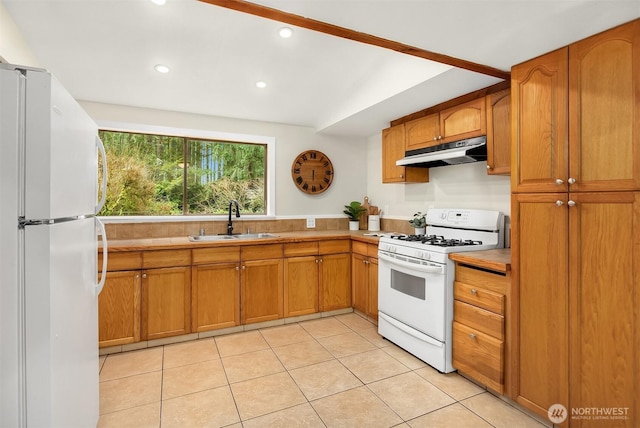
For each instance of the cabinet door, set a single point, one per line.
(423, 132)
(262, 290)
(360, 282)
(335, 281)
(499, 133)
(119, 309)
(540, 273)
(539, 103)
(393, 148)
(373, 289)
(215, 296)
(463, 121)
(300, 285)
(604, 303)
(166, 302)
(604, 114)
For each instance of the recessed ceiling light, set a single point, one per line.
(260, 84)
(161, 68)
(285, 32)
(159, 2)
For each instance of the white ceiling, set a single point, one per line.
(105, 50)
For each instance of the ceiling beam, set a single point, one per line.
(345, 33)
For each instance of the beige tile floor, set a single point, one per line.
(329, 372)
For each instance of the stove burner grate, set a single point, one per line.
(437, 240)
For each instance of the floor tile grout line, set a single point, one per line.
(161, 389)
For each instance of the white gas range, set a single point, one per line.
(415, 280)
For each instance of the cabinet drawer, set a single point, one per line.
(262, 252)
(335, 246)
(478, 355)
(479, 319)
(201, 256)
(300, 249)
(498, 282)
(166, 258)
(359, 247)
(481, 297)
(129, 260)
(372, 250)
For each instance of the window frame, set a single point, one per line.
(270, 172)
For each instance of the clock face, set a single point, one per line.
(312, 172)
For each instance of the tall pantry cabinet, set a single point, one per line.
(576, 230)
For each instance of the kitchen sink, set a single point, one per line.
(204, 238)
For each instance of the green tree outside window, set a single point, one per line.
(167, 175)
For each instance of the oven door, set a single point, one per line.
(413, 292)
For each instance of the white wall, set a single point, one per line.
(347, 154)
(13, 48)
(455, 186)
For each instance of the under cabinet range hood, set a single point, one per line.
(454, 153)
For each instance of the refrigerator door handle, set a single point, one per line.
(103, 155)
(105, 256)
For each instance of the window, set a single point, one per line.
(160, 175)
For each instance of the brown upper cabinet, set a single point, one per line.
(498, 107)
(393, 148)
(575, 110)
(455, 123)
(463, 121)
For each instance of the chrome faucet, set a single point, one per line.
(230, 224)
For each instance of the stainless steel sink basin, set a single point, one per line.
(211, 237)
(256, 236)
(202, 238)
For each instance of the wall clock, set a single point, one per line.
(312, 172)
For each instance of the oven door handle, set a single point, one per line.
(408, 265)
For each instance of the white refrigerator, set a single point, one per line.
(49, 285)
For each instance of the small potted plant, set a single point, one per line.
(419, 222)
(354, 210)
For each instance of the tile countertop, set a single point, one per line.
(181, 242)
(497, 260)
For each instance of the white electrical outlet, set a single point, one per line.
(311, 222)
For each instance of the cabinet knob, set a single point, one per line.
(244, 267)
(321, 260)
(474, 291)
(571, 180)
(571, 203)
(559, 181)
(435, 138)
(237, 268)
(489, 166)
(472, 336)
(559, 203)
(317, 261)
(137, 275)
(144, 275)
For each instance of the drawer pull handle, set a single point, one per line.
(472, 336)
(474, 291)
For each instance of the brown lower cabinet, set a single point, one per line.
(215, 288)
(119, 309)
(215, 296)
(480, 338)
(261, 283)
(166, 302)
(318, 278)
(365, 279)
